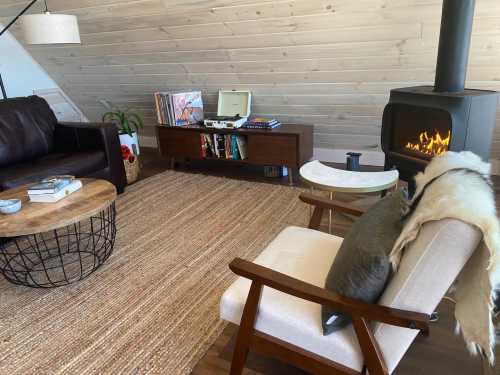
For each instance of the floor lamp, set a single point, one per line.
(45, 28)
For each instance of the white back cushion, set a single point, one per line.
(428, 268)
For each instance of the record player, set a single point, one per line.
(233, 110)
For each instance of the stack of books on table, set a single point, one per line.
(53, 189)
(262, 123)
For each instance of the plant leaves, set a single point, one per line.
(126, 120)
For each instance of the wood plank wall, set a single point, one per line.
(328, 63)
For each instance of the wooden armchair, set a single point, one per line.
(276, 300)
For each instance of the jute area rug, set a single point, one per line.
(153, 307)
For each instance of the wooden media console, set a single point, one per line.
(288, 145)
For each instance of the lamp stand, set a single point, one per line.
(3, 88)
(17, 17)
(4, 93)
(65, 30)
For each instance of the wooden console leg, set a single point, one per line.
(290, 176)
(246, 329)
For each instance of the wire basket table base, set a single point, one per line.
(62, 256)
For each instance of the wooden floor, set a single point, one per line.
(442, 353)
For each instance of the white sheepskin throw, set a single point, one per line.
(466, 196)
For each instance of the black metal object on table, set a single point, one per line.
(62, 256)
(353, 161)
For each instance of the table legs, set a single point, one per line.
(330, 215)
(61, 256)
(311, 209)
(330, 212)
(392, 188)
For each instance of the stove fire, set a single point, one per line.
(424, 121)
(431, 145)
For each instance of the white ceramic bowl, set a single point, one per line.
(10, 206)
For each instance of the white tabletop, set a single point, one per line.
(321, 176)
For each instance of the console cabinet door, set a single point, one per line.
(179, 143)
(273, 150)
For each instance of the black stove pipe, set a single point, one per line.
(454, 43)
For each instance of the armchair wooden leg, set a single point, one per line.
(374, 359)
(315, 222)
(239, 359)
(246, 329)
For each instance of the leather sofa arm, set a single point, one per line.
(86, 125)
(83, 136)
(71, 136)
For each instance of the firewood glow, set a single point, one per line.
(430, 145)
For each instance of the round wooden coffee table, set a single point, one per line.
(48, 245)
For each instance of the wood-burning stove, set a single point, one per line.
(424, 121)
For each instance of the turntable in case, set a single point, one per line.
(225, 122)
(231, 106)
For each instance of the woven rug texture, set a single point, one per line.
(153, 306)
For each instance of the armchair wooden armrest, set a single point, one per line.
(320, 204)
(361, 313)
(309, 292)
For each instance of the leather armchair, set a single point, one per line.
(34, 145)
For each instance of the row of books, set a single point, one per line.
(178, 109)
(53, 189)
(223, 146)
(262, 123)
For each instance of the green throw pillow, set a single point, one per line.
(361, 268)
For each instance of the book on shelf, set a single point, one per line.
(158, 109)
(220, 145)
(262, 123)
(223, 146)
(179, 109)
(242, 147)
(207, 146)
(69, 189)
(234, 146)
(229, 146)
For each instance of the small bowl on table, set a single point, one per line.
(10, 206)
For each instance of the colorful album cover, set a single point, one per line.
(188, 108)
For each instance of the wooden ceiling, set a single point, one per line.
(328, 63)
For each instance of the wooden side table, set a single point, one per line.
(48, 245)
(325, 178)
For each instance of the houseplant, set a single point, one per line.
(129, 123)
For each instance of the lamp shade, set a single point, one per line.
(50, 28)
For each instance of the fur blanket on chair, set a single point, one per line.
(462, 192)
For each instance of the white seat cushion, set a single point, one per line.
(306, 255)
